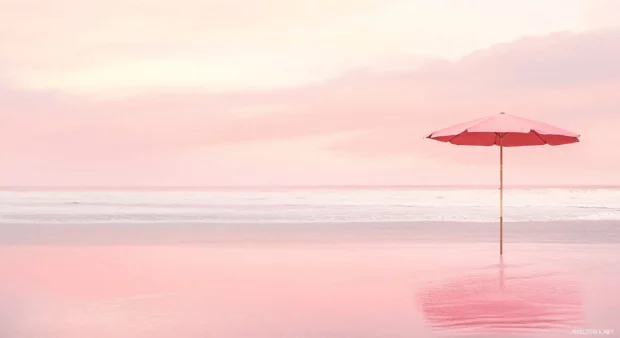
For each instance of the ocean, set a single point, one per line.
(158, 216)
(308, 205)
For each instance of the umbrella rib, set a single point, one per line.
(500, 135)
(455, 136)
(538, 135)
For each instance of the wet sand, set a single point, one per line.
(335, 288)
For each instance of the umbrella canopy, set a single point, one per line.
(504, 130)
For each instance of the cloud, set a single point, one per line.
(368, 116)
(53, 44)
(134, 45)
(570, 79)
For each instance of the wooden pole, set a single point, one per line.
(501, 196)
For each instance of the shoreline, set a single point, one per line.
(570, 232)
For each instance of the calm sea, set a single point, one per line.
(307, 205)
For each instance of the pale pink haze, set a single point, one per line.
(274, 92)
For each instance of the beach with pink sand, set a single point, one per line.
(364, 289)
(309, 263)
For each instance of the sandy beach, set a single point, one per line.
(99, 281)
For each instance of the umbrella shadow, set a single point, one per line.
(502, 300)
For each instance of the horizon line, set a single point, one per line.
(317, 186)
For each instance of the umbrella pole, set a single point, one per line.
(501, 196)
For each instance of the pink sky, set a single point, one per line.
(274, 92)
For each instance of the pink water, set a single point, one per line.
(349, 289)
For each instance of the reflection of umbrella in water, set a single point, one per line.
(487, 303)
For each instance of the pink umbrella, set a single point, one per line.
(504, 130)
